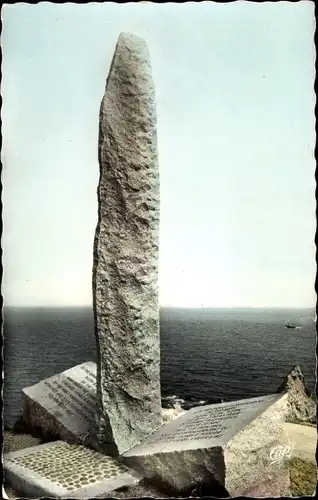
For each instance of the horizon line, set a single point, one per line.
(161, 306)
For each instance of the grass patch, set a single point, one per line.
(303, 476)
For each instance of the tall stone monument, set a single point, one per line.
(125, 273)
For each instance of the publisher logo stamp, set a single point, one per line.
(280, 453)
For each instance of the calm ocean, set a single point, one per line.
(206, 354)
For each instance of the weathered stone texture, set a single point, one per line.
(301, 407)
(240, 464)
(125, 275)
(248, 455)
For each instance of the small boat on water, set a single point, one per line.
(292, 326)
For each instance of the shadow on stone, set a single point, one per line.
(209, 487)
(21, 427)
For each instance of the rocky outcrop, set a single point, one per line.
(301, 407)
(125, 274)
(169, 414)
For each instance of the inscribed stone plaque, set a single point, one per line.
(64, 404)
(62, 470)
(230, 443)
(204, 426)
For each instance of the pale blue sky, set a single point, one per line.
(235, 100)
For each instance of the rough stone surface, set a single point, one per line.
(270, 486)
(125, 273)
(249, 456)
(301, 407)
(14, 442)
(238, 459)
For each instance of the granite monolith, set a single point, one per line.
(125, 272)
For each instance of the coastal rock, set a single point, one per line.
(301, 407)
(125, 273)
(228, 447)
(169, 414)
